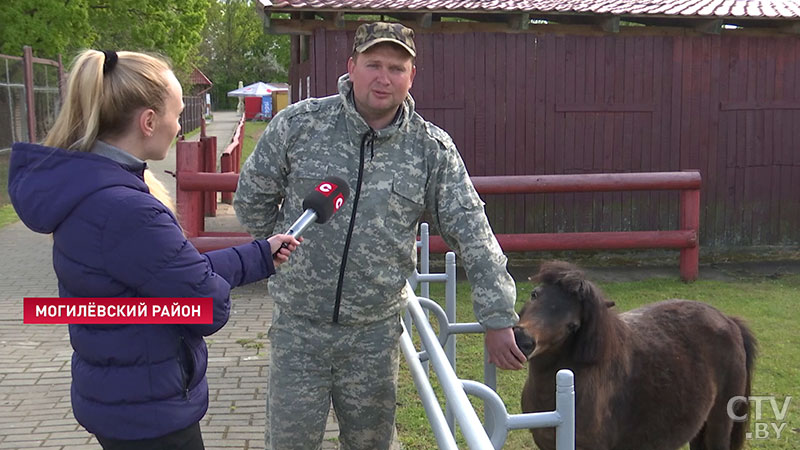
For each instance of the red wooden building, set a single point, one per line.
(539, 87)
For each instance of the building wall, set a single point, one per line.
(636, 101)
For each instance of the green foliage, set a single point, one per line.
(235, 48)
(50, 27)
(769, 306)
(224, 38)
(172, 28)
(169, 27)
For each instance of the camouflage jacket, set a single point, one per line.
(410, 167)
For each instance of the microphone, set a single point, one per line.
(320, 204)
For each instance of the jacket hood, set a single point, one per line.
(45, 183)
(356, 122)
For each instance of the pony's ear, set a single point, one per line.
(610, 304)
(590, 343)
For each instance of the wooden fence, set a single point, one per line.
(641, 100)
(193, 113)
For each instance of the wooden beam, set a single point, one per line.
(712, 26)
(520, 21)
(609, 24)
(266, 21)
(425, 20)
(337, 18)
(414, 19)
(791, 28)
(581, 25)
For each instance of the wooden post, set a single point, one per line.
(690, 220)
(203, 108)
(188, 159)
(209, 144)
(61, 80)
(226, 165)
(27, 66)
(237, 153)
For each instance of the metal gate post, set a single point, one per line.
(450, 311)
(565, 407)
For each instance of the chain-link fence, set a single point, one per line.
(13, 112)
(29, 102)
(47, 98)
(29, 99)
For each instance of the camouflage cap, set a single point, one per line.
(370, 34)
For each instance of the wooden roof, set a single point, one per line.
(199, 78)
(703, 15)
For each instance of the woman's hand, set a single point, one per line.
(281, 246)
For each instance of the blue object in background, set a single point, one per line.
(266, 107)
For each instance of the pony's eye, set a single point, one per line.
(533, 294)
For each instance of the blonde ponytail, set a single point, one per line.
(158, 190)
(100, 105)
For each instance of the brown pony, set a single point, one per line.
(653, 378)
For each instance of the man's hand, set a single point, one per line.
(503, 350)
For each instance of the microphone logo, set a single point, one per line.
(326, 188)
(338, 202)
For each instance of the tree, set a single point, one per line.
(50, 27)
(236, 48)
(173, 28)
(169, 27)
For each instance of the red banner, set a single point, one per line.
(118, 310)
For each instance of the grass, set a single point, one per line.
(252, 131)
(4, 158)
(190, 136)
(7, 213)
(769, 306)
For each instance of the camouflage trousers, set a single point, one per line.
(316, 364)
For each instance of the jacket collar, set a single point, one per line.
(118, 155)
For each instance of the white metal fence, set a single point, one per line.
(440, 351)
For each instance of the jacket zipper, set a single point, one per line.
(184, 376)
(369, 137)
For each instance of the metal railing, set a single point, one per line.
(440, 351)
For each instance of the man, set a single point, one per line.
(336, 324)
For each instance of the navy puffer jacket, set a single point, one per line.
(111, 238)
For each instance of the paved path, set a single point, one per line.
(35, 407)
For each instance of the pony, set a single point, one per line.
(653, 378)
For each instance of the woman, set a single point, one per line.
(133, 386)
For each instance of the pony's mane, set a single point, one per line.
(568, 277)
(600, 328)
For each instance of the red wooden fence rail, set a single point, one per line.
(686, 238)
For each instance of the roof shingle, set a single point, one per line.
(685, 8)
